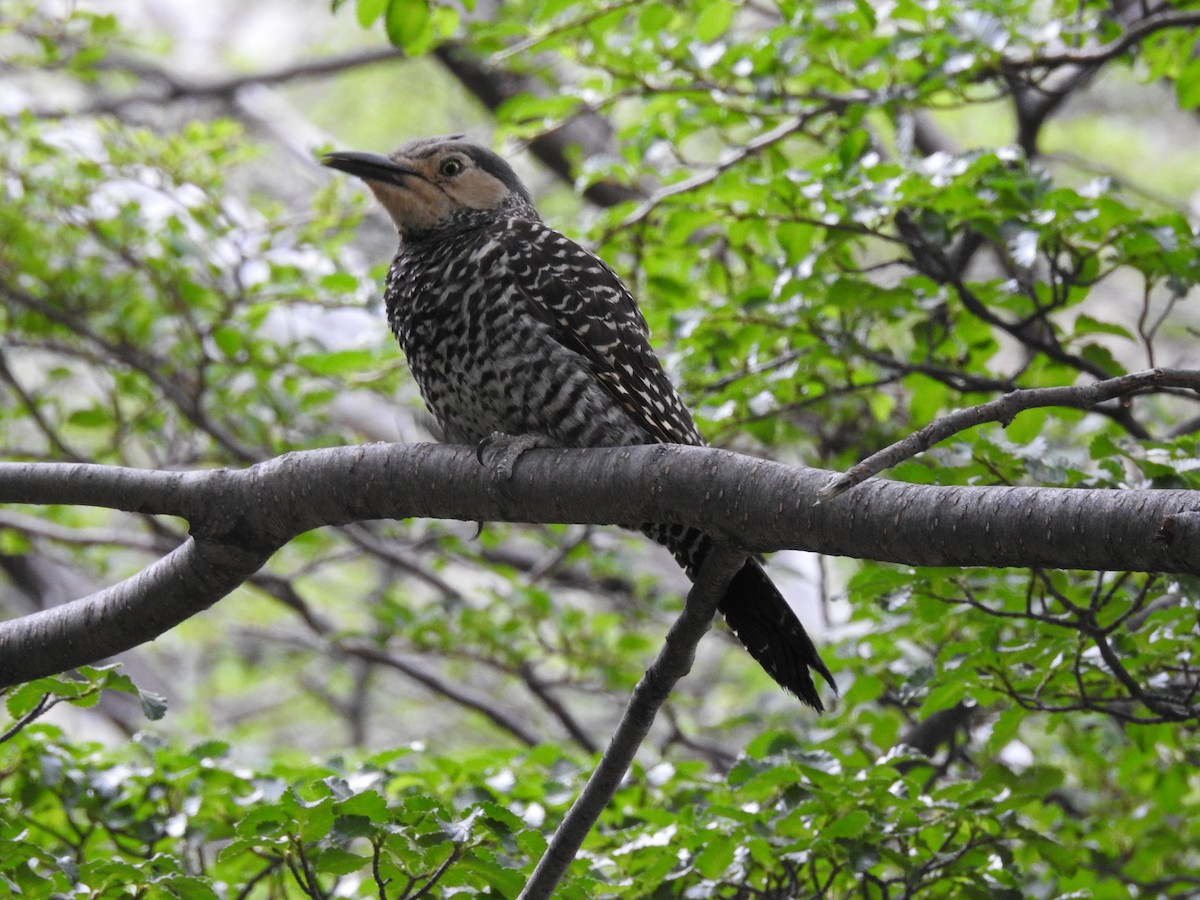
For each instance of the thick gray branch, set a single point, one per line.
(238, 518)
(186, 581)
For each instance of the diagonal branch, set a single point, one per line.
(672, 663)
(1004, 410)
(181, 584)
(752, 147)
(586, 134)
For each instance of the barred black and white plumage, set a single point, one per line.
(510, 327)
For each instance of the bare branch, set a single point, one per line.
(441, 687)
(1004, 410)
(672, 663)
(1133, 35)
(174, 88)
(556, 707)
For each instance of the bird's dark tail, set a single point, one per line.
(758, 615)
(766, 625)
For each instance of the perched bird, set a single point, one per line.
(517, 335)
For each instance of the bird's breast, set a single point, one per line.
(485, 360)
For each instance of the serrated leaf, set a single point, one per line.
(24, 698)
(851, 825)
(368, 804)
(154, 705)
(336, 861)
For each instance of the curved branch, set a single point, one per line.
(186, 581)
(1004, 410)
(1133, 35)
(240, 517)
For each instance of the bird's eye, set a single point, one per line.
(451, 167)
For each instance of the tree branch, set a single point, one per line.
(733, 158)
(672, 663)
(174, 88)
(1136, 32)
(239, 517)
(186, 581)
(1004, 410)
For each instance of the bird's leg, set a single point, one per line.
(511, 448)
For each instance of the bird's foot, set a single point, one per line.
(511, 448)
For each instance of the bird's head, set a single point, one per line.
(434, 185)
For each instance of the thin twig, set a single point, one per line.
(440, 687)
(753, 146)
(361, 534)
(542, 692)
(437, 875)
(40, 708)
(35, 413)
(139, 361)
(84, 537)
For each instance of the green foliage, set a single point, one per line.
(169, 287)
(852, 227)
(187, 822)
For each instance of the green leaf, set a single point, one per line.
(714, 20)
(1027, 425)
(94, 417)
(339, 283)
(407, 24)
(339, 362)
(336, 861)
(368, 804)
(1187, 85)
(850, 825)
(229, 340)
(154, 705)
(367, 11)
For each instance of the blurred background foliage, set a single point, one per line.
(842, 219)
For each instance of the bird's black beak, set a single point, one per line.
(369, 167)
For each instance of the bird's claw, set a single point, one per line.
(483, 445)
(511, 447)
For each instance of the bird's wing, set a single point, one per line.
(591, 312)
